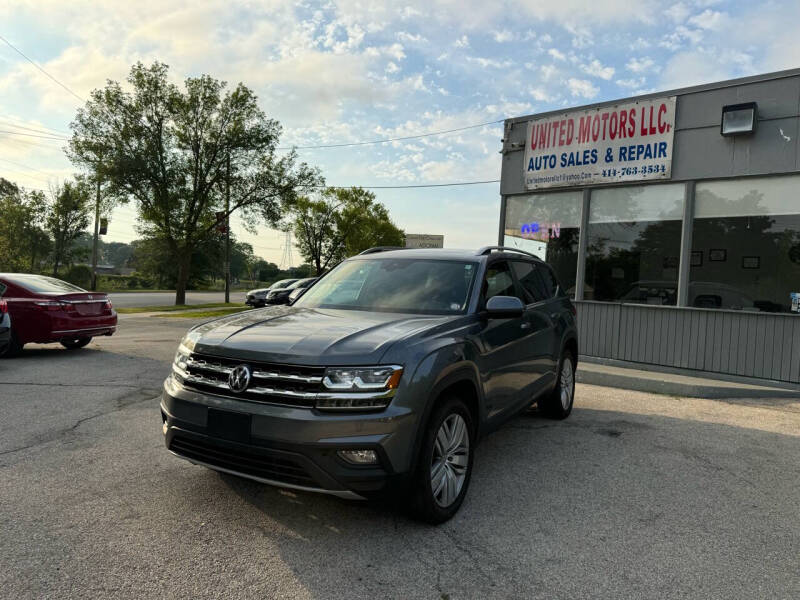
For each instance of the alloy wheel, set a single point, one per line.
(450, 460)
(567, 383)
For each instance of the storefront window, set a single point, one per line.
(746, 244)
(633, 244)
(547, 225)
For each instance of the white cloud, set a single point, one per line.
(678, 12)
(492, 63)
(640, 65)
(462, 42)
(539, 94)
(597, 69)
(708, 19)
(404, 36)
(556, 54)
(391, 68)
(582, 88)
(633, 83)
(503, 36)
(548, 72)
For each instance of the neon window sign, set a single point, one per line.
(543, 232)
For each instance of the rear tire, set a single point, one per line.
(558, 403)
(75, 343)
(444, 466)
(13, 348)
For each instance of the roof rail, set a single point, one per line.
(377, 249)
(488, 249)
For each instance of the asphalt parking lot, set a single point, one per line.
(132, 299)
(634, 496)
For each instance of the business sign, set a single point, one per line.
(626, 142)
(423, 240)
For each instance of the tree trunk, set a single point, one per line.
(184, 262)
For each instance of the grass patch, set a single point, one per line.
(204, 314)
(176, 308)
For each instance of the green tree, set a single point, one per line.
(67, 217)
(366, 223)
(173, 151)
(23, 241)
(341, 223)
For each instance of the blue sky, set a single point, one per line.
(353, 70)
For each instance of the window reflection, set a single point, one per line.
(633, 244)
(547, 225)
(746, 244)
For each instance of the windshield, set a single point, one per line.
(45, 285)
(395, 285)
(282, 284)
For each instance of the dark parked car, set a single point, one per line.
(258, 297)
(382, 377)
(45, 309)
(5, 328)
(300, 290)
(281, 295)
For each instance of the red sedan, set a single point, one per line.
(45, 309)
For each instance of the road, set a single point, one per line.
(133, 299)
(634, 496)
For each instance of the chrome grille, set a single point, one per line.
(278, 384)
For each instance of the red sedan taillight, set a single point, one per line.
(3, 307)
(108, 305)
(54, 305)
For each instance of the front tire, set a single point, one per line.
(75, 343)
(444, 466)
(558, 403)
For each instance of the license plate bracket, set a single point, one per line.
(228, 425)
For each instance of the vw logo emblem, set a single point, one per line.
(239, 378)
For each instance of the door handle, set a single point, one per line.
(525, 326)
(554, 315)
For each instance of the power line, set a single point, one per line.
(396, 139)
(22, 54)
(404, 187)
(53, 132)
(343, 145)
(27, 167)
(46, 137)
(24, 174)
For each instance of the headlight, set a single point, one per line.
(363, 378)
(189, 340)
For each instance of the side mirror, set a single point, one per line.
(504, 307)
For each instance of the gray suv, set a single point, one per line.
(383, 376)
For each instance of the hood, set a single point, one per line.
(311, 336)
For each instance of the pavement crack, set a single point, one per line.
(139, 395)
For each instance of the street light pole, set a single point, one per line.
(228, 232)
(96, 233)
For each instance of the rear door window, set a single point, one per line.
(533, 283)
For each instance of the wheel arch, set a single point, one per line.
(462, 379)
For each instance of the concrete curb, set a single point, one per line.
(675, 385)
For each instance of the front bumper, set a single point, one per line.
(287, 446)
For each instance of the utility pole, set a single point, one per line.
(96, 232)
(228, 232)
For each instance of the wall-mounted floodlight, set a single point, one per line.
(738, 119)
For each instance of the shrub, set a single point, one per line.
(79, 275)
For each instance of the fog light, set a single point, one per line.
(164, 428)
(359, 457)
